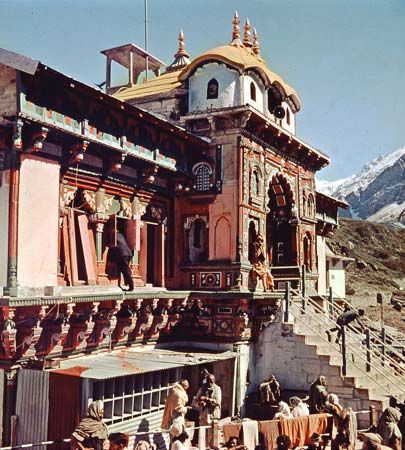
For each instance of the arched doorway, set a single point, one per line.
(198, 241)
(280, 231)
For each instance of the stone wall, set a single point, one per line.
(8, 91)
(163, 106)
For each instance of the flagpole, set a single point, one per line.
(146, 39)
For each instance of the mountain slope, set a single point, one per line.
(378, 192)
(378, 267)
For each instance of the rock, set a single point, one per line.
(374, 267)
(361, 264)
(351, 245)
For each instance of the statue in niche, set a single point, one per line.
(260, 269)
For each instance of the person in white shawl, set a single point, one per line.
(283, 411)
(299, 408)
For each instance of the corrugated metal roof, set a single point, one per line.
(130, 362)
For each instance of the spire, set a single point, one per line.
(181, 57)
(236, 31)
(256, 45)
(246, 35)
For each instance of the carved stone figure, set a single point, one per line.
(260, 269)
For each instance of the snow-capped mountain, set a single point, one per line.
(377, 193)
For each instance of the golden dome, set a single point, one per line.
(243, 59)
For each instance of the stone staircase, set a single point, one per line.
(298, 351)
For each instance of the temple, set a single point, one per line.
(200, 169)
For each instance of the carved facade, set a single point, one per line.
(79, 167)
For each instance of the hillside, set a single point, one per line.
(379, 266)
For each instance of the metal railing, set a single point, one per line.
(351, 344)
(374, 342)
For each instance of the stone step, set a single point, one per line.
(358, 388)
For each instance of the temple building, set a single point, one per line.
(200, 169)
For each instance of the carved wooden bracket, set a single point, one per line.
(172, 321)
(17, 136)
(28, 336)
(124, 329)
(27, 340)
(143, 324)
(9, 343)
(36, 140)
(81, 333)
(77, 152)
(57, 338)
(159, 323)
(104, 330)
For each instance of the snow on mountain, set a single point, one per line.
(329, 187)
(389, 213)
(378, 192)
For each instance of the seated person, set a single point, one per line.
(299, 408)
(283, 411)
(270, 391)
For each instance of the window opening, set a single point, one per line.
(252, 91)
(212, 89)
(202, 173)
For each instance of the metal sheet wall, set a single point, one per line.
(32, 406)
(147, 423)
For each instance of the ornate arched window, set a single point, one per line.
(254, 183)
(252, 91)
(212, 88)
(310, 206)
(202, 172)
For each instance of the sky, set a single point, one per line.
(346, 58)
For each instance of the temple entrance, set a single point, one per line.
(280, 232)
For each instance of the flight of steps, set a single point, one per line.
(298, 351)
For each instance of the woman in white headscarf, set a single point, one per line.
(283, 411)
(91, 432)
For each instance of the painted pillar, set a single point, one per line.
(160, 250)
(143, 259)
(14, 164)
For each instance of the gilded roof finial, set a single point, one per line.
(236, 31)
(246, 35)
(181, 57)
(256, 45)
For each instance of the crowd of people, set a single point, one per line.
(92, 433)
